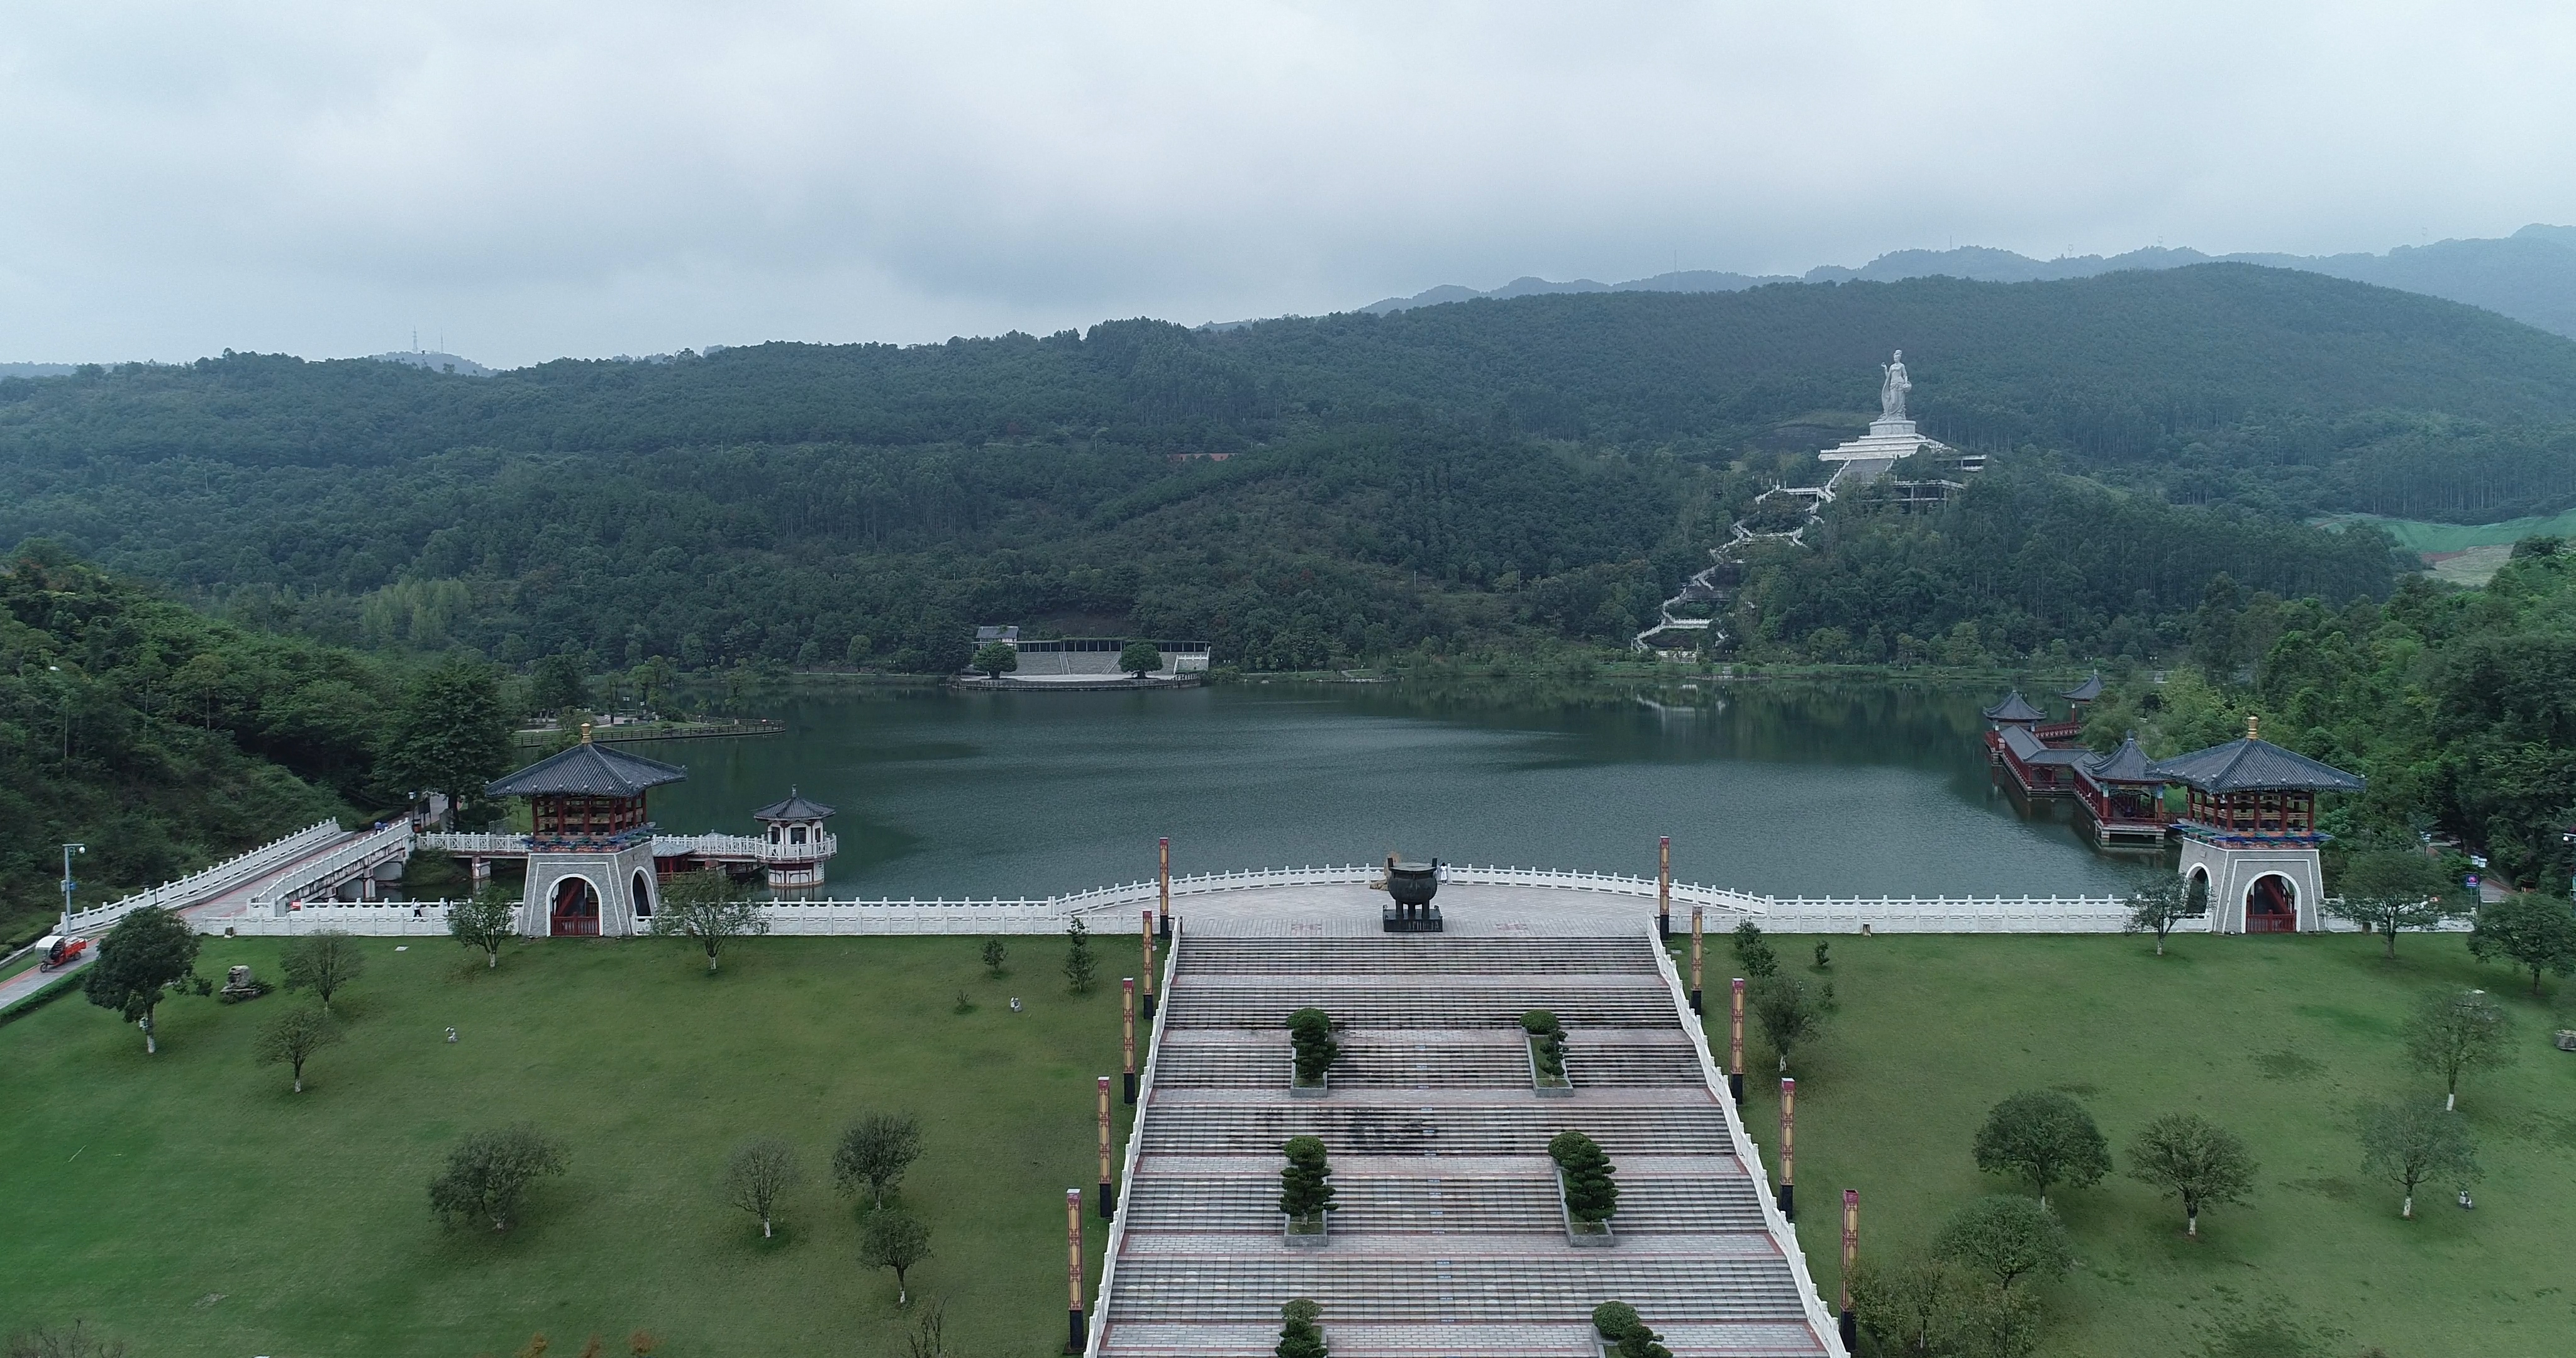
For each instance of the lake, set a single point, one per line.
(1778, 788)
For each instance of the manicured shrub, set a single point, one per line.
(1299, 1336)
(1305, 1187)
(1614, 1318)
(1547, 1042)
(1590, 1193)
(1310, 1032)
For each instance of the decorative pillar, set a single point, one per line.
(1696, 913)
(1664, 889)
(1163, 876)
(1735, 1044)
(1149, 966)
(482, 870)
(1788, 1148)
(1127, 1029)
(1851, 1256)
(1074, 1330)
(1108, 1174)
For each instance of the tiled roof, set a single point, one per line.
(587, 769)
(2250, 764)
(2014, 708)
(2030, 749)
(796, 807)
(2087, 691)
(2127, 764)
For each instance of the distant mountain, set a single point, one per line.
(449, 363)
(2529, 276)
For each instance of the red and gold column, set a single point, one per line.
(1108, 1171)
(1127, 1029)
(1149, 966)
(1074, 1335)
(1735, 1043)
(1697, 912)
(1664, 888)
(1788, 1148)
(1851, 1257)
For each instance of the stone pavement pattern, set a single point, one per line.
(1449, 1237)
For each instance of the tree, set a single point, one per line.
(293, 1037)
(489, 1172)
(1787, 1011)
(2385, 890)
(2409, 1142)
(2452, 1034)
(2006, 1238)
(1299, 1335)
(2046, 1137)
(709, 907)
(896, 1239)
(322, 962)
(76, 1342)
(2529, 930)
(149, 952)
(1305, 1186)
(874, 1152)
(763, 1170)
(995, 954)
(2160, 905)
(1753, 952)
(1140, 659)
(2192, 1158)
(559, 682)
(1079, 964)
(1925, 1306)
(995, 659)
(1310, 1035)
(1591, 1193)
(451, 734)
(487, 920)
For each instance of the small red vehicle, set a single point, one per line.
(60, 950)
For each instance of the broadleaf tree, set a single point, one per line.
(2390, 890)
(2193, 1159)
(874, 1152)
(710, 909)
(2530, 931)
(451, 733)
(489, 1172)
(2452, 1033)
(149, 953)
(2410, 1142)
(486, 920)
(896, 1239)
(323, 963)
(2044, 1136)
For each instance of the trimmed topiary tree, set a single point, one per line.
(1547, 1041)
(1305, 1186)
(1299, 1335)
(1310, 1034)
(1591, 1196)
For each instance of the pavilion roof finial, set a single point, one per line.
(2253, 727)
(585, 733)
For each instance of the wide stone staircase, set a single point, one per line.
(1448, 1236)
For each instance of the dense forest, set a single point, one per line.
(1301, 492)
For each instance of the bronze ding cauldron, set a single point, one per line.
(1411, 886)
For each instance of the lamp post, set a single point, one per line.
(1696, 913)
(68, 883)
(1149, 966)
(1108, 1181)
(1735, 1043)
(1073, 1332)
(1664, 889)
(1851, 1256)
(1127, 1029)
(1788, 1148)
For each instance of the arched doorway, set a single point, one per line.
(575, 910)
(643, 896)
(2271, 906)
(2196, 893)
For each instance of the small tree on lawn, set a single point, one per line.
(489, 1172)
(148, 953)
(1925, 1306)
(1299, 1335)
(2409, 1142)
(2158, 906)
(2456, 1032)
(291, 1039)
(1140, 659)
(2530, 931)
(995, 954)
(896, 1239)
(1591, 1194)
(2192, 1158)
(708, 907)
(763, 1170)
(874, 1153)
(1310, 1035)
(486, 921)
(995, 659)
(1753, 952)
(2386, 890)
(1305, 1186)
(1788, 1012)
(2005, 1239)
(1079, 963)
(2045, 1137)
(322, 963)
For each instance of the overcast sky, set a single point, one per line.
(533, 180)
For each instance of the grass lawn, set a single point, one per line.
(188, 1204)
(2279, 1039)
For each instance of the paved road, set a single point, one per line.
(216, 906)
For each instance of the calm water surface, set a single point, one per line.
(1840, 790)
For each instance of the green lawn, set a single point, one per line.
(2276, 1038)
(189, 1204)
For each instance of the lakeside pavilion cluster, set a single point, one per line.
(595, 862)
(2248, 827)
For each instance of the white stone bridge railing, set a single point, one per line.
(390, 844)
(747, 848)
(198, 886)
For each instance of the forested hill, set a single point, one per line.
(1544, 467)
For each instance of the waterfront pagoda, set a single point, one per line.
(2249, 831)
(590, 841)
(796, 840)
(2123, 796)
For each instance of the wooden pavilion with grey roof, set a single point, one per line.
(590, 840)
(2249, 831)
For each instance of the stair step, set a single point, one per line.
(1558, 1287)
(1220, 1129)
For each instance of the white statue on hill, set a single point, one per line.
(1891, 393)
